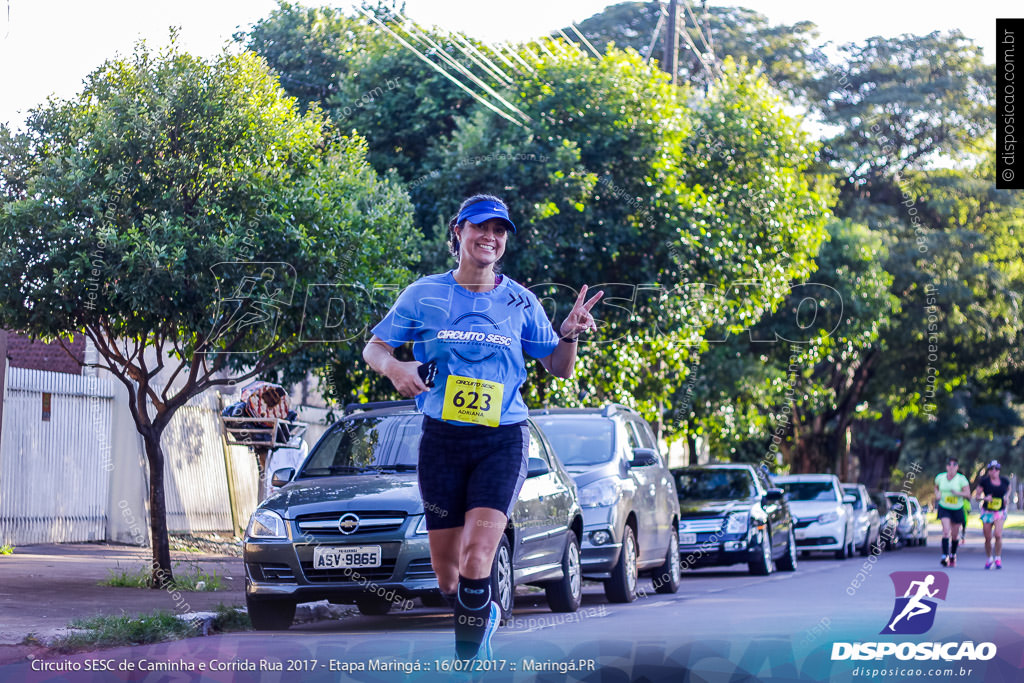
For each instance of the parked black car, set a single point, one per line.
(731, 513)
(348, 527)
(630, 510)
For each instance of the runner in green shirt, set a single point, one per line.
(951, 489)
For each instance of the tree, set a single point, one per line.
(792, 385)
(177, 212)
(900, 104)
(664, 204)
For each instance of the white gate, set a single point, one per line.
(54, 457)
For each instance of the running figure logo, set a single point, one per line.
(914, 612)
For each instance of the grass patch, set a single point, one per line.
(196, 579)
(110, 631)
(6, 549)
(230, 619)
(157, 627)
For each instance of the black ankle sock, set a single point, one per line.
(945, 546)
(956, 542)
(472, 611)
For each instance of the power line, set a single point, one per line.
(437, 68)
(700, 30)
(657, 30)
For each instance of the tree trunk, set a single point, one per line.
(161, 575)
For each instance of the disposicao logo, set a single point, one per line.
(914, 612)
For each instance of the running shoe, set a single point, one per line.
(999, 564)
(485, 651)
(944, 561)
(988, 565)
(952, 560)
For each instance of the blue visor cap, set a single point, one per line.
(482, 211)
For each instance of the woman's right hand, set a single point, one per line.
(406, 377)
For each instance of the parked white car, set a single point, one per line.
(867, 524)
(822, 514)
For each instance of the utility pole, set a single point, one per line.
(671, 61)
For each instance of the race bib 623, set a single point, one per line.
(472, 400)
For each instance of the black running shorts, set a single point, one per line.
(467, 466)
(955, 516)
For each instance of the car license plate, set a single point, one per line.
(346, 557)
(687, 539)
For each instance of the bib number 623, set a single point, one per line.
(468, 399)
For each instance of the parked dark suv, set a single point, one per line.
(730, 514)
(626, 492)
(348, 526)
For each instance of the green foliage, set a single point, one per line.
(903, 102)
(6, 549)
(162, 171)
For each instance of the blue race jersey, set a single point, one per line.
(480, 335)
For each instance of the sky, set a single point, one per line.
(48, 46)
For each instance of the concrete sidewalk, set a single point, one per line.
(43, 587)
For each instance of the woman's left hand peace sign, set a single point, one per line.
(579, 319)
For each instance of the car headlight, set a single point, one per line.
(737, 523)
(599, 493)
(421, 526)
(266, 524)
(828, 517)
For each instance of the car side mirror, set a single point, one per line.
(537, 467)
(282, 476)
(849, 499)
(872, 507)
(773, 495)
(643, 457)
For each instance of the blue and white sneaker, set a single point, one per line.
(485, 651)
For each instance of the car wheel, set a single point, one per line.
(787, 562)
(865, 549)
(668, 576)
(844, 551)
(621, 587)
(565, 594)
(372, 605)
(270, 614)
(924, 539)
(503, 588)
(763, 565)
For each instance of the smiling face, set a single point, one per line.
(484, 243)
(951, 468)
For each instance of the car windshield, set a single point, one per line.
(385, 443)
(714, 484)
(897, 505)
(808, 490)
(579, 441)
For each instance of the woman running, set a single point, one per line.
(951, 489)
(992, 489)
(472, 327)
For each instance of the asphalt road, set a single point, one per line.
(722, 625)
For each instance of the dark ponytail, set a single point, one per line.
(453, 240)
